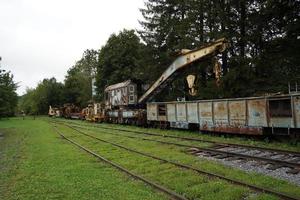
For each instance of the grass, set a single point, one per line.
(37, 164)
(291, 145)
(189, 183)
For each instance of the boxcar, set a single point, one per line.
(278, 114)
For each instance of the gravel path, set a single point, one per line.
(258, 167)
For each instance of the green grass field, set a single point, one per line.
(36, 163)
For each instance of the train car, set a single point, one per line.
(121, 104)
(277, 114)
(121, 95)
(70, 111)
(95, 112)
(54, 112)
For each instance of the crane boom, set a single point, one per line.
(181, 62)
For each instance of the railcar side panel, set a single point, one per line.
(237, 113)
(152, 110)
(206, 116)
(280, 112)
(181, 112)
(192, 110)
(220, 111)
(162, 112)
(257, 116)
(171, 112)
(296, 101)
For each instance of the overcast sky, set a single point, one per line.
(43, 38)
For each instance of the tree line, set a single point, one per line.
(8, 95)
(263, 56)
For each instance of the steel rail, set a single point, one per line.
(211, 150)
(183, 166)
(201, 140)
(171, 193)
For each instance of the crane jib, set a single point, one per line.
(183, 61)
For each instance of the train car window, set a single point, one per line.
(280, 108)
(131, 98)
(131, 88)
(162, 110)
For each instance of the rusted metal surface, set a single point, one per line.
(117, 86)
(252, 115)
(152, 112)
(296, 106)
(192, 113)
(220, 114)
(280, 113)
(181, 62)
(171, 112)
(206, 115)
(257, 116)
(237, 113)
(121, 94)
(181, 112)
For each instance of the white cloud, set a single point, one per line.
(43, 38)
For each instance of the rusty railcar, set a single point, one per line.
(278, 114)
(121, 104)
(121, 95)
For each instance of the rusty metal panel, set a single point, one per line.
(220, 113)
(162, 118)
(206, 115)
(296, 101)
(257, 112)
(171, 112)
(192, 109)
(181, 112)
(237, 113)
(286, 122)
(114, 114)
(152, 112)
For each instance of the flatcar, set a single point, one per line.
(276, 114)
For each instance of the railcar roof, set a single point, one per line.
(272, 97)
(118, 85)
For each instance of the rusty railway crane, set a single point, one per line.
(121, 100)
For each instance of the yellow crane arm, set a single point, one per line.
(184, 60)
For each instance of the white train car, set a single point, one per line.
(278, 114)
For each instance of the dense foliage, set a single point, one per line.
(120, 59)
(78, 82)
(8, 96)
(37, 101)
(263, 56)
(264, 38)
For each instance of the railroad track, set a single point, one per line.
(218, 144)
(172, 194)
(188, 167)
(228, 153)
(276, 159)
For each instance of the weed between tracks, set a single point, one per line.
(186, 182)
(292, 145)
(37, 164)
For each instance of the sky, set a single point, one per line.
(44, 38)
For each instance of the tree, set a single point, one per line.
(8, 95)
(49, 92)
(123, 57)
(78, 82)
(263, 36)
